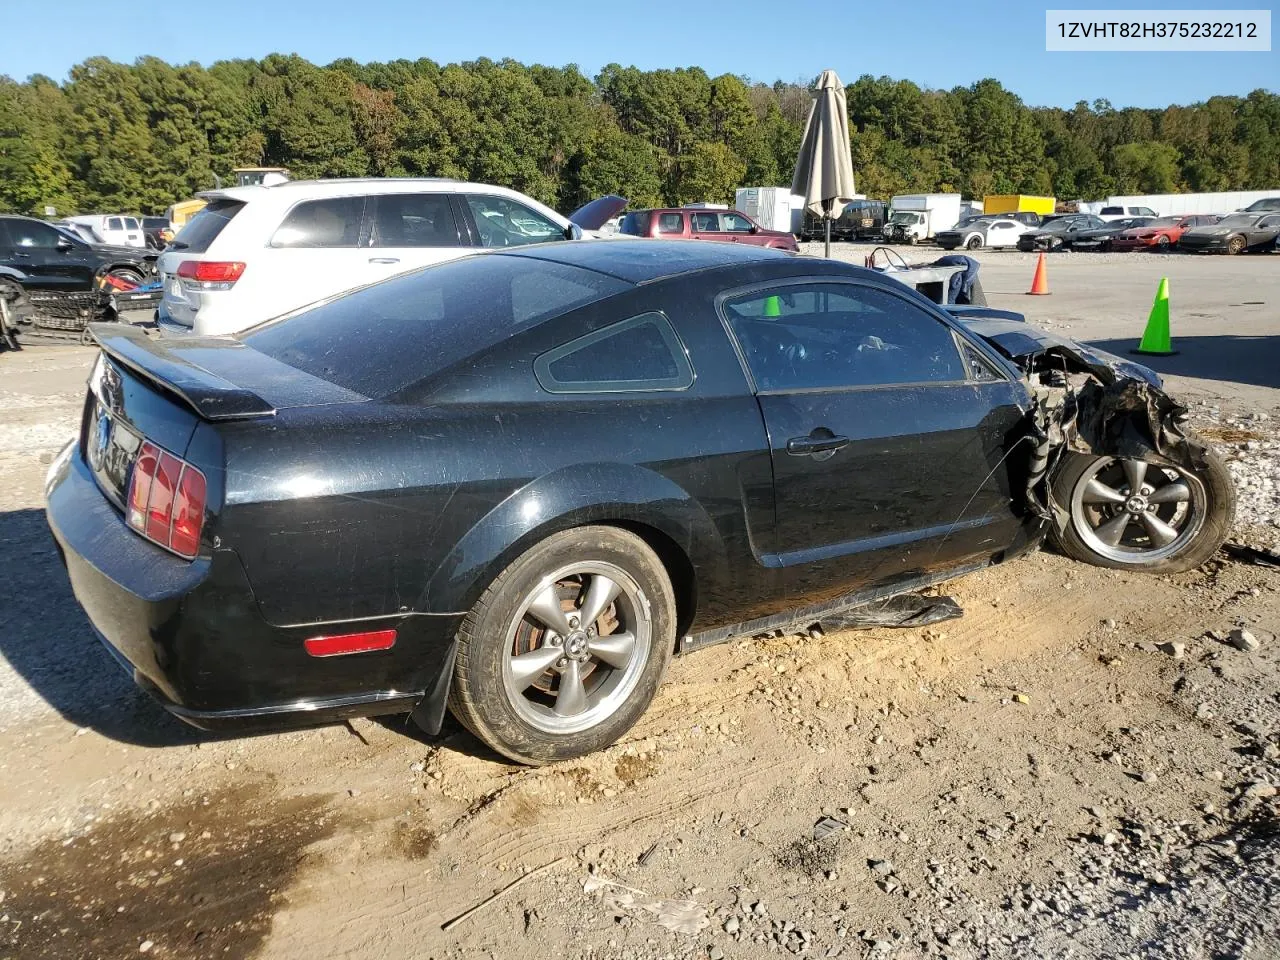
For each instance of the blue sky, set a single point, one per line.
(935, 44)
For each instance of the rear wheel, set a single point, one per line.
(564, 651)
(1235, 245)
(1132, 515)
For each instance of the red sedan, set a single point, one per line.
(1159, 234)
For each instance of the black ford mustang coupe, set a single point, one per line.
(516, 484)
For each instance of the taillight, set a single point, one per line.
(213, 274)
(166, 500)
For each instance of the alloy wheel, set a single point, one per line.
(577, 647)
(1135, 512)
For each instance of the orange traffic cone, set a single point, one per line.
(1040, 282)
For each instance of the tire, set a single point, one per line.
(1162, 243)
(977, 296)
(528, 723)
(1195, 513)
(1235, 245)
(974, 243)
(12, 292)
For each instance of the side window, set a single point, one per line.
(706, 222)
(639, 354)
(1269, 222)
(635, 224)
(113, 223)
(32, 235)
(832, 336)
(334, 222)
(505, 223)
(413, 220)
(735, 223)
(131, 223)
(671, 223)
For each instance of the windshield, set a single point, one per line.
(1237, 220)
(1164, 222)
(905, 218)
(1060, 226)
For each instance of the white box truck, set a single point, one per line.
(916, 217)
(768, 206)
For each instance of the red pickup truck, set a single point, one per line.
(726, 226)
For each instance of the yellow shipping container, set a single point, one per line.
(1017, 203)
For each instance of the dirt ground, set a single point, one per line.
(1038, 778)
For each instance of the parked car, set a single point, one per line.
(1265, 205)
(1120, 213)
(1059, 232)
(41, 258)
(517, 483)
(1100, 238)
(726, 226)
(1163, 233)
(119, 230)
(157, 232)
(1233, 234)
(257, 252)
(993, 231)
(860, 220)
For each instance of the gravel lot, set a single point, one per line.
(1084, 765)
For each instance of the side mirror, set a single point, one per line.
(755, 228)
(573, 232)
(64, 244)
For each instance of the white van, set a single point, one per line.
(116, 229)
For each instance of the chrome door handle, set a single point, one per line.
(384, 259)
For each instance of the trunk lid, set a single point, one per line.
(147, 389)
(217, 377)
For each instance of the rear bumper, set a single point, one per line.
(191, 633)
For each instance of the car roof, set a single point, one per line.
(292, 190)
(642, 261)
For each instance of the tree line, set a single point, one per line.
(119, 137)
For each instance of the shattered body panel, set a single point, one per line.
(1091, 402)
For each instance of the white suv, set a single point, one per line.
(257, 252)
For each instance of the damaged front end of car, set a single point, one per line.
(1086, 401)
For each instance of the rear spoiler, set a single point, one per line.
(167, 367)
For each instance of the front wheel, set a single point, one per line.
(1132, 515)
(564, 651)
(1235, 245)
(974, 243)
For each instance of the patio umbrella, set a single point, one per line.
(824, 169)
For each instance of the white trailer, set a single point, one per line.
(768, 206)
(1174, 204)
(916, 217)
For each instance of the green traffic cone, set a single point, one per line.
(1156, 341)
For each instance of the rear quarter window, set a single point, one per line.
(383, 338)
(202, 229)
(643, 353)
